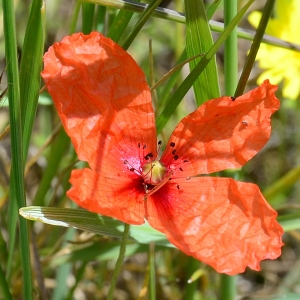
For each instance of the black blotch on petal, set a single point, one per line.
(176, 157)
(172, 144)
(232, 98)
(180, 169)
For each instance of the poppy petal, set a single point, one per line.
(102, 98)
(225, 223)
(117, 197)
(222, 133)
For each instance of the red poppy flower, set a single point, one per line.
(104, 102)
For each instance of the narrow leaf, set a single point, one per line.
(199, 40)
(87, 221)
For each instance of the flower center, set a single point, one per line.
(153, 172)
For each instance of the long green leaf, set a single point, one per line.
(31, 63)
(119, 25)
(17, 187)
(85, 220)
(88, 12)
(139, 25)
(254, 47)
(168, 14)
(199, 40)
(175, 99)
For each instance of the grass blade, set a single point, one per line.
(17, 187)
(31, 63)
(88, 12)
(175, 99)
(254, 47)
(199, 40)
(139, 25)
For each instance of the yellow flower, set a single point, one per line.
(281, 64)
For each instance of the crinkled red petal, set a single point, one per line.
(223, 133)
(115, 196)
(102, 98)
(222, 222)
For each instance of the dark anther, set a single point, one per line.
(176, 157)
(178, 187)
(125, 162)
(131, 169)
(173, 152)
(188, 178)
(185, 160)
(181, 169)
(159, 143)
(149, 154)
(172, 144)
(144, 147)
(146, 157)
(232, 98)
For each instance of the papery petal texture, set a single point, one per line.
(102, 98)
(104, 102)
(222, 133)
(112, 196)
(224, 223)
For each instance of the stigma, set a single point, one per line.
(154, 172)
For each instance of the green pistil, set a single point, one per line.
(154, 172)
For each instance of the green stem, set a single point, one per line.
(152, 281)
(17, 185)
(119, 262)
(228, 283)
(230, 49)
